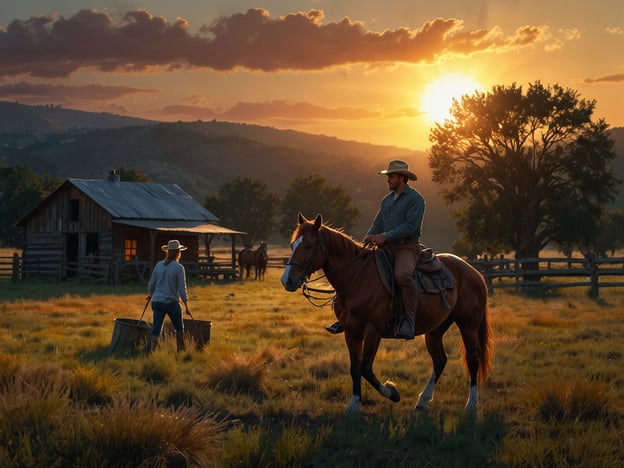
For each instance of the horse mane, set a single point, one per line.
(336, 238)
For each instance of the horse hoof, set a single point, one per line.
(394, 395)
(354, 406)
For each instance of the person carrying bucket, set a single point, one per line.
(166, 287)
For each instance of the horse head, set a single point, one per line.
(263, 249)
(306, 253)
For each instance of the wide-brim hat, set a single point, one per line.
(396, 166)
(173, 245)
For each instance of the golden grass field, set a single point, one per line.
(273, 384)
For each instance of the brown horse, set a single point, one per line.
(257, 259)
(362, 305)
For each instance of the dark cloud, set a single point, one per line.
(92, 92)
(50, 46)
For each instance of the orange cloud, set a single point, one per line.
(615, 78)
(50, 46)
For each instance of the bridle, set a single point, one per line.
(307, 272)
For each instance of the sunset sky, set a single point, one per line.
(366, 70)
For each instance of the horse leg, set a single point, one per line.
(435, 346)
(471, 358)
(371, 346)
(354, 345)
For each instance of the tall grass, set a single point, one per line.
(271, 387)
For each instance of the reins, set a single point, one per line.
(326, 301)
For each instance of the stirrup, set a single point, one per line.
(405, 336)
(334, 328)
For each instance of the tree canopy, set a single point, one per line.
(312, 195)
(21, 189)
(245, 204)
(132, 174)
(524, 169)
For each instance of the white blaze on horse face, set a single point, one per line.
(286, 274)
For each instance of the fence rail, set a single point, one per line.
(524, 273)
(556, 272)
(105, 269)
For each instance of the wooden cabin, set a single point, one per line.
(112, 230)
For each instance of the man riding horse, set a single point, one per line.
(397, 226)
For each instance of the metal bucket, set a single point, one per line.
(128, 333)
(196, 330)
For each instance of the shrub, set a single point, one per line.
(239, 375)
(93, 386)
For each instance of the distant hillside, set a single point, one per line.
(201, 156)
(15, 117)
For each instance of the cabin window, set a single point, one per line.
(74, 210)
(130, 250)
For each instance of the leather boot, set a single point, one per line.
(151, 344)
(180, 341)
(406, 329)
(334, 328)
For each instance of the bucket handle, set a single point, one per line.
(145, 308)
(192, 319)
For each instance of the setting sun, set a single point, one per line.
(439, 94)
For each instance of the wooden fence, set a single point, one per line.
(521, 274)
(552, 273)
(545, 273)
(105, 270)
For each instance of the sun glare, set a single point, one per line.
(438, 95)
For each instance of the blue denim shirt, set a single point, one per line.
(401, 218)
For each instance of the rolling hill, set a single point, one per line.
(201, 156)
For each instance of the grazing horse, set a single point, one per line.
(257, 258)
(363, 307)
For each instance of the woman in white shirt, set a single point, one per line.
(166, 287)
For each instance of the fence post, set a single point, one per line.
(487, 268)
(15, 275)
(593, 274)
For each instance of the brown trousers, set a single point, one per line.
(406, 256)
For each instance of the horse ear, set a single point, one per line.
(318, 221)
(301, 218)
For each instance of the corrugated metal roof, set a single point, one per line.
(141, 200)
(179, 226)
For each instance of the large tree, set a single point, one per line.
(524, 169)
(312, 195)
(248, 205)
(21, 189)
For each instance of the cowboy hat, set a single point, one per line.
(173, 245)
(396, 166)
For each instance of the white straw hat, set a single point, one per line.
(173, 245)
(396, 166)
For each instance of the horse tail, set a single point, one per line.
(486, 346)
(483, 331)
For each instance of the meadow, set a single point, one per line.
(272, 386)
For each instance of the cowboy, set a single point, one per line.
(397, 226)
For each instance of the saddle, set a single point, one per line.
(431, 275)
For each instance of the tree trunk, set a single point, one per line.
(530, 252)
